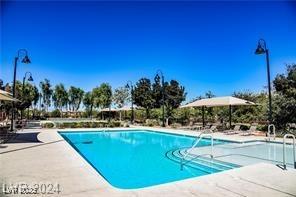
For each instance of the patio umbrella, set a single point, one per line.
(6, 96)
(218, 101)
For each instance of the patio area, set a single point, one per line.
(42, 156)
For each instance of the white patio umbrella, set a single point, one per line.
(6, 96)
(219, 101)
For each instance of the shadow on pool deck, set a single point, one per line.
(25, 138)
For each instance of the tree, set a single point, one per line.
(35, 99)
(96, 94)
(36, 96)
(121, 96)
(174, 96)
(1, 85)
(46, 92)
(60, 97)
(88, 102)
(102, 96)
(105, 95)
(209, 94)
(75, 98)
(285, 97)
(143, 95)
(30, 96)
(249, 113)
(26, 94)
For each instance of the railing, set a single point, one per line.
(284, 150)
(195, 144)
(269, 131)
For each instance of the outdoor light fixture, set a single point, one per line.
(262, 49)
(26, 60)
(20, 53)
(163, 95)
(30, 78)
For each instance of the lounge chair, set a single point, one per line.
(235, 130)
(212, 128)
(251, 130)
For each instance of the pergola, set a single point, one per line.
(216, 102)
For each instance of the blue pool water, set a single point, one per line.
(135, 159)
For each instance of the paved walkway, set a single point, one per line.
(42, 156)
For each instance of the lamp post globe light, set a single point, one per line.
(30, 78)
(23, 55)
(130, 85)
(262, 49)
(159, 72)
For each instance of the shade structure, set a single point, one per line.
(6, 96)
(127, 108)
(124, 108)
(108, 109)
(219, 101)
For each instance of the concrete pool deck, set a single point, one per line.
(43, 156)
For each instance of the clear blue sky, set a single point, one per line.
(205, 46)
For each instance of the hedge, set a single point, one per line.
(63, 125)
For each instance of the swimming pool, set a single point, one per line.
(139, 158)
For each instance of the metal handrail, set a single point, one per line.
(201, 133)
(195, 144)
(269, 131)
(284, 150)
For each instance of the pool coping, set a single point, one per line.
(167, 131)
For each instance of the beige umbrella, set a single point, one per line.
(6, 96)
(108, 109)
(219, 101)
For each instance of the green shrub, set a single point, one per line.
(55, 113)
(175, 125)
(47, 125)
(262, 128)
(151, 123)
(63, 125)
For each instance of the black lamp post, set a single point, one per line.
(262, 49)
(163, 95)
(21, 53)
(24, 79)
(130, 85)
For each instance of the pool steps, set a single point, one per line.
(200, 162)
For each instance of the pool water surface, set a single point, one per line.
(137, 159)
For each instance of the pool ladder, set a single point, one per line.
(271, 130)
(199, 138)
(284, 150)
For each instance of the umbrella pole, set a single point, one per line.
(230, 111)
